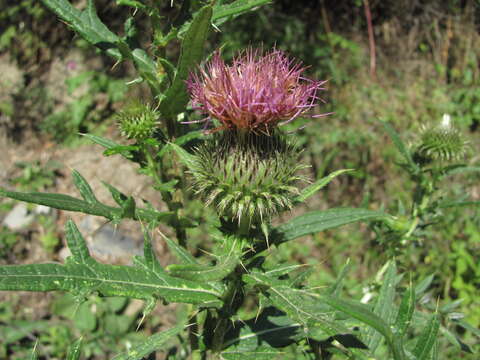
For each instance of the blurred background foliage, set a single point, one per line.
(427, 63)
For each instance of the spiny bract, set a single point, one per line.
(441, 142)
(137, 121)
(246, 175)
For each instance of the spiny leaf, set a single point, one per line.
(87, 24)
(83, 275)
(182, 255)
(427, 338)
(77, 244)
(84, 188)
(117, 196)
(317, 185)
(405, 312)
(150, 258)
(366, 316)
(176, 96)
(383, 306)
(299, 305)
(69, 203)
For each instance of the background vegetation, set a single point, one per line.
(426, 63)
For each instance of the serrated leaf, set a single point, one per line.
(317, 185)
(227, 258)
(401, 146)
(204, 272)
(405, 312)
(151, 344)
(299, 305)
(83, 188)
(383, 306)
(150, 258)
(427, 339)
(176, 97)
(117, 195)
(69, 203)
(84, 276)
(181, 254)
(77, 245)
(317, 221)
(87, 24)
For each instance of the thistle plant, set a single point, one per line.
(238, 302)
(436, 154)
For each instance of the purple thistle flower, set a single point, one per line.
(255, 93)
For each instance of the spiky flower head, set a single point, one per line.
(256, 92)
(137, 121)
(442, 142)
(247, 176)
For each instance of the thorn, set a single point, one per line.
(115, 65)
(141, 321)
(258, 313)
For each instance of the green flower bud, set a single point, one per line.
(248, 177)
(137, 121)
(440, 142)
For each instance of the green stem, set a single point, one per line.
(232, 298)
(174, 204)
(225, 313)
